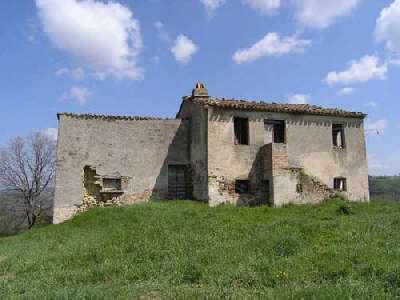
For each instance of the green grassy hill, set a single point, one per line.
(186, 250)
(385, 187)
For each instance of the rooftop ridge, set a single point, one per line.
(278, 107)
(87, 116)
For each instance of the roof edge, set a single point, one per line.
(298, 109)
(88, 116)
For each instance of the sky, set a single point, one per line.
(139, 57)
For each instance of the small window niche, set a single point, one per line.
(340, 184)
(112, 184)
(338, 138)
(242, 186)
(241, 128)
(276, 128)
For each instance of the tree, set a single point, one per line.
(27, 166)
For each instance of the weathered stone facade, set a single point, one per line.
(216, 150)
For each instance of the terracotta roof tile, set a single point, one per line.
(278, 107)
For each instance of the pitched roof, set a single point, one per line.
(277, 107)
(107, 117)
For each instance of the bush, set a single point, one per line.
(345, 209)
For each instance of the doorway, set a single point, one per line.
(177, 182)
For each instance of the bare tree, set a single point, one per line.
(27, 166)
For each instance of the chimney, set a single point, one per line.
(199, 90)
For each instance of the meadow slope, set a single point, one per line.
(185, 250)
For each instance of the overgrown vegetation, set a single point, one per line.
(185, 250)
(385, 187)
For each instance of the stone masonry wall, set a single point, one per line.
(309, 147)
(136, 149)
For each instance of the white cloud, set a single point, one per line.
(264, 6)
(158, 25)
(212, 5)
(183, 49)
(346, 91)
(298, 98)
(271, 45)
(384, 165)
(321, 14)
(378, 126)
(33, 30)
(367, 68)
(388, 27)
(394, 62)
(77, 93)
(75, 74)
(372, 104)
(103, 36)
(377, 166)
(163, 34)
(51, 133)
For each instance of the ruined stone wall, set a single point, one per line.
(228, 162)
(320, 159)
(291, 184)
(137, 150)
(309, 147)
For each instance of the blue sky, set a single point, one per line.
(138, 57)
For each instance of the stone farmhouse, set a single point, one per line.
(216, 151)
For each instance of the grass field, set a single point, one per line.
(385, 187)
(186, 250)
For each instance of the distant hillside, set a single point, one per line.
(12, 213)
(385, 187)
(186, 250)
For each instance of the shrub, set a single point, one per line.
(345, 209)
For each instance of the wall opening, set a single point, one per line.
(299, 188)
(101, 190)
(110, 184)
(340, 184)
(241, 128)
(338, 138)
(274, 131)
(242, 186)
(178, 182)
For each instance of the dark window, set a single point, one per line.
(241, 126)
(278, 130)
(112, 184)
(340, 184)
(338, 135)
(299, 188)
(242, 186)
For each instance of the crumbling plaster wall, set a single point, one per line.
(309, 146)
(228, 162)
(318, 157)
(197, 115)
(138, 149)
(291, 184)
